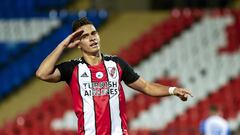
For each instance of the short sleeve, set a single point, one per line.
(128, 74)
(66, 69)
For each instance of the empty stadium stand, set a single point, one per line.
(27, 41)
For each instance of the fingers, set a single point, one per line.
(183, 93)
(69, 41)
(74, 44)
(188, 92)
(76, 34)
(183, 97)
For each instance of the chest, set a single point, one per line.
(103, 77)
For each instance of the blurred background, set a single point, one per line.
(186, 43)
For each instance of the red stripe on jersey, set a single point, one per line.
(120, 72)
(122, 104)
(101, 103)
(77, 100)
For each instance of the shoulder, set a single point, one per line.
(114, 58)
(217, 119)
(75, 61)
(66, 69)
(70, 63)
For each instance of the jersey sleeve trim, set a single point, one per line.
(128, 74)
(66, 70)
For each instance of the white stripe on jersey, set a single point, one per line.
(113, 76)
(84, 76)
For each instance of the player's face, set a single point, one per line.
(90, 40)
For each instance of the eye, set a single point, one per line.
(84, 36)
(77, 38)
(94, 33)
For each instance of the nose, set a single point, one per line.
(92, 38)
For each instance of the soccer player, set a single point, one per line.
(95, 82)
(215, 124)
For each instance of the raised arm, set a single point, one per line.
(47, 71)
(157, 90)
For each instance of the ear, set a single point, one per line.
(79, 46)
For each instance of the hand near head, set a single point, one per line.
(182, 93)
(70, 41)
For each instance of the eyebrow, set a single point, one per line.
(86, 34)
(93, 31)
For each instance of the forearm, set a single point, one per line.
(149, 88)
(48, 64)
(157, 90)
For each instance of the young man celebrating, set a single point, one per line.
(95, 82)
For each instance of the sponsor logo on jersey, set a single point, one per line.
(100, 89)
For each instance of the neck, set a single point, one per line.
(93, 59)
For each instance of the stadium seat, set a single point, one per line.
(34, 46)
(191, 45)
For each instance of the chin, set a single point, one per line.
(96, 49)
(95, 52)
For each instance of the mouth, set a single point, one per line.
(94, 45)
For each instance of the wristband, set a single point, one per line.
(171, 90)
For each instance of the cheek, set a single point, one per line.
(84, 42)
(98, 38)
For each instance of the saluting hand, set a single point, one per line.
(70, 41)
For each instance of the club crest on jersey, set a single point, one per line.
(99, 75)
(112, 72)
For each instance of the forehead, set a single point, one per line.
(87, 28)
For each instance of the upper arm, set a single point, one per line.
(62, 72)
(140, 85)
(53, 77)
(128, 74)
(65, 70)
(131, 78)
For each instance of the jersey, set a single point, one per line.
(97, 93)
(214, 125)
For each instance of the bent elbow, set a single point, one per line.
(40, 75)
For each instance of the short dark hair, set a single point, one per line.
(79, 23)
(214, 108)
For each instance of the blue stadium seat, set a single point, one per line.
(9, 51)
(5, 88)
(25, 58)
(51, 3)
(4, 53)
(18, 8)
